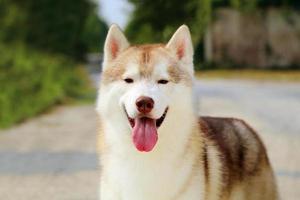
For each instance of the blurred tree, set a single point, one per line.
(56, 25)
(245, 5)
(12, 20)
(295, 4)
(248, 5)
(160, 18)
(94, 33)
(64, 27)
(40, 42)
(155, 21)
(163, 17)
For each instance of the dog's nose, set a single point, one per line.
(144, 104)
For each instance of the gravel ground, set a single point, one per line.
(54, 156)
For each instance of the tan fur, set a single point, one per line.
(231, 173)
(209, 158)
(245, 169)
(142, 54)
(236, 164)
(178, 75)
(112, 74)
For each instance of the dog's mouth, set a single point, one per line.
(158, 122)
(144, 130)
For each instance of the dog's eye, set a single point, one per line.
(128, 80)
(162, 81)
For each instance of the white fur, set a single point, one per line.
(156, 174)
(182, 37)
(114, 36)
(128, 174)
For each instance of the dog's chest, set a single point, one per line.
(155, 179)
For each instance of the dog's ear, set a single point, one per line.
(181, 44)
(115, 43)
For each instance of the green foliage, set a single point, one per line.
(244, 5)
(54, 26)
(251, 5)
(295, 4)
(12, 17)
(31, 81)
(40, 45)
(94, 33)
(203, 18)
(156, 21)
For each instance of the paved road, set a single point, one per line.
(53, 156)
(273, 109)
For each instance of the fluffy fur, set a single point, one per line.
(194, 158)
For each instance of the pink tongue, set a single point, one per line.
(144, 134)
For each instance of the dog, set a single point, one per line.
(152, 144)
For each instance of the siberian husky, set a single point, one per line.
(152, 144)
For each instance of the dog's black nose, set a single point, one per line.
(144, 104)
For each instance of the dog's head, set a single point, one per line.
(142, 85)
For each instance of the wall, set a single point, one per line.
(262, 39)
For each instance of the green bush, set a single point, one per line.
(31, 81)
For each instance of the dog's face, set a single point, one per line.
(144, 83)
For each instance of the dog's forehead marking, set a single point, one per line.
(145, 58)
(146, 61)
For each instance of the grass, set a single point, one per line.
(257, 75)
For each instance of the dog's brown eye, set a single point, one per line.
(162, 81)
(128, 80)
